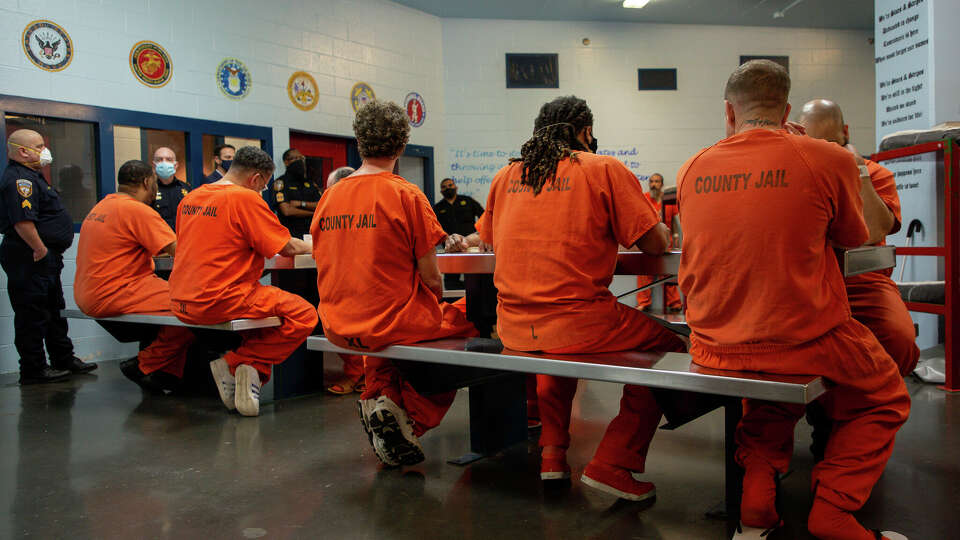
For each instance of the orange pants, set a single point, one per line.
(384, 379)
(263, 347)
(644, 297)
(876, 302)
(352, 366)
(168, 352)
(628, 436)
(868, 405)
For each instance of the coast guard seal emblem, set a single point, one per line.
(360, 95)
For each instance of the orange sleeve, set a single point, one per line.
(842, 182)
(484, 225)
(631, 213)
(148, 228)
(885, 184)
(426, 231)
(261, 228)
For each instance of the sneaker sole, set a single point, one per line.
(614, 491)
(221, 371)
(555, 475)
(247, 405)
(396, 447)
(363, 422)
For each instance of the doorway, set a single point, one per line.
(324, 154)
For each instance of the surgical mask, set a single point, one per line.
(448, 193)
(165, 169)
(225, 164)
(46, 157)
(593, 145)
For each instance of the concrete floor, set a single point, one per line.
(94, 458)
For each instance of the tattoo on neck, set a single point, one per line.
(760, 122)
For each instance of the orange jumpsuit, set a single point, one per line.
(368, 233)
(556, 253)
(115, 274)
(643, 297)
(759, 211)
(224, 232)
(874, 297)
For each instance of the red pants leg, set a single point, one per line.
(168, 352)
(555, 401)
(352, 366)
(644, 297)
(876, 303)
(673, 296)
(628, 437)
(265, 347)
(383, 378)
(868, 405)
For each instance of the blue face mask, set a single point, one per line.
(225, 163)
(165, 169)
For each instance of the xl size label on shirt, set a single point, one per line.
(741, 181)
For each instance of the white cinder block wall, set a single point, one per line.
(340, 42)
(665, 128)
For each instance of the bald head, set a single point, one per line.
(164, 154)
(823, 119)
(24, 146)
(339, 175)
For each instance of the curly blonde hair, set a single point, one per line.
(382, 129)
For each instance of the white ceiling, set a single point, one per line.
(850, 14)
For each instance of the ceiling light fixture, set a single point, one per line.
(636, 4)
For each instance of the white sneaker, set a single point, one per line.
(248, 391)
(752, 533)
(893, 535)
(364, 408)
(392, 432)
(226, 383)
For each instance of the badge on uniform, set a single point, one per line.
(279, 197)
(278, 185)
(463, 203)
(159, 196)
(24, 188)
(183, 192)
(306, 184)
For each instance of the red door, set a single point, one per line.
(324, 154)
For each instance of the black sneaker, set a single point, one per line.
(47, 374)
(75, 365)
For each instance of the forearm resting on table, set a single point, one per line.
(656, 240)
(295, 246)
(878, 217)
(430, 273)
(170, 249)
(28, 231)
(289, 209)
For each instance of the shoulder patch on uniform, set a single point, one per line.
(279, 197)
(24, 188)
(278, 185)
(306, 184)
(463, 203)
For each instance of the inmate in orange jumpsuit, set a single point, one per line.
(874, 297)
(556, 253)
(644, 297)
(368, 233)
(759, 211)
(224, 232)
(115, 274)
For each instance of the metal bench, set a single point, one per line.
(684, 390)
(167, 318)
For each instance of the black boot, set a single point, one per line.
(75, 365)
(47, 374)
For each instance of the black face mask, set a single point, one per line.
(448, 193)
(297, 170)
(593, 145)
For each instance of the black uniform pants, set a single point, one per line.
(36, 295)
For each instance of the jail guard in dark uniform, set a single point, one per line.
(457, 214)
(296, 195)
(36, 231)
(170, 190)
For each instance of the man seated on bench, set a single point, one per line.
(374, 236)
(556, 218)
(761, 211)
(115, 274)
(224, 232)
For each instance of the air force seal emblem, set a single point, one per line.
(233, 78)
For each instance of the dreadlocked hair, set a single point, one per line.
(554, 138)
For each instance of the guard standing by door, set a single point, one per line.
(457, 214)
(296, 195)
(36, 231)
(170, 190)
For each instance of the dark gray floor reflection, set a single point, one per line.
(94, 458)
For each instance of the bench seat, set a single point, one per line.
(167, 318)
(926, 292)
(672, 371)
